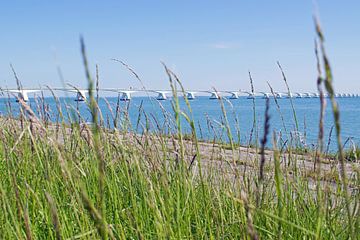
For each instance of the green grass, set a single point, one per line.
(86, 182)
(146, 196)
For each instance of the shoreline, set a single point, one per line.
(215, 156)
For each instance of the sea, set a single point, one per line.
(291, 121)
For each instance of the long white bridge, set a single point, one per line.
(126, 94)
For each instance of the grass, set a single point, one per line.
(78, 181)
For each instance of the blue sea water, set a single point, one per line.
(209, 118)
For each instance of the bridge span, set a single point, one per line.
(126, 94)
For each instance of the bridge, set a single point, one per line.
(126, 94)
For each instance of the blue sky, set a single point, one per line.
(208, 43)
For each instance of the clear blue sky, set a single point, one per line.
(208, 43)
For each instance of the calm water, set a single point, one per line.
(209, 118)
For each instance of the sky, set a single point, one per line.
(207, 43)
